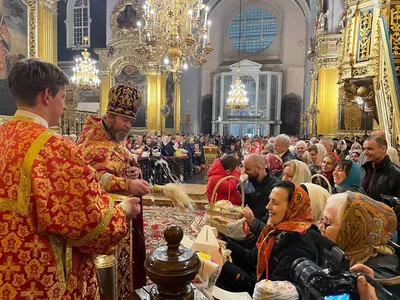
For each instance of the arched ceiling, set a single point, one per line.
(304, 6)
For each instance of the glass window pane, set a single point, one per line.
(235, 30)
(252, 46)
(226, 129)
(237, 130)
(249, 130)
(274, 96)
(227, 88)
(259, 27)
(253, 30)
(217, 98)
(253, 14)
(239, 17)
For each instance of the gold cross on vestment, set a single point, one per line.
(9, 268)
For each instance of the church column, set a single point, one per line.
(105, 85)
(47, 30)
(177, 107)
(155, 100)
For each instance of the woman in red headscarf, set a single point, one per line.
(284, 239)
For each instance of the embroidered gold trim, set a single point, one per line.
(53, 240)
(24, 189)
(97, 230)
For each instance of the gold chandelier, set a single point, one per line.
(238, 95)
(173, 35)
(85, 71)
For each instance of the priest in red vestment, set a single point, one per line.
(102, 144)
(54, 213)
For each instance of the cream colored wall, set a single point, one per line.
(289, 45)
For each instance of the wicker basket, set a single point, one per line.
(211, 207)
(324, 178)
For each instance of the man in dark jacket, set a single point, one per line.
(282, 144)
(258, 186)
(382, 177)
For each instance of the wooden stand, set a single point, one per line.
(210, 154)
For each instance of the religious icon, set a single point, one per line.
(13, 46)
(128, 18)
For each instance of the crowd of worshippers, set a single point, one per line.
(283, 205)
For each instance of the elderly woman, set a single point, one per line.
(281, 242)
(362, 228)
(296, 171)
(302, 153)
(347, 177)
(317, 153)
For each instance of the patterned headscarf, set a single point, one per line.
(298, 218)
(367, 227)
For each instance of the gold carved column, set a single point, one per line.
(105, 85)
(47, 30)
(327, 101)
(155, 100)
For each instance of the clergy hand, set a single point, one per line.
(131, 207)
(133, 172)
(248, 215)
(138, 187)
(365, 290)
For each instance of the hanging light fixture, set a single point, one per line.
(85, 71)
(173, 34)
(238, 95)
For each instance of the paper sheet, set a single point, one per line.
(225, 295)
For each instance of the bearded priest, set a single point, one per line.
(102, 142)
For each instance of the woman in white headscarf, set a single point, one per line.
(296, 171)
(318, 198)
(317, 153)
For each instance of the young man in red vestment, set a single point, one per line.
(102, 144)
(54, 213)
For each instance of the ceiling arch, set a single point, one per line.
(303, 5)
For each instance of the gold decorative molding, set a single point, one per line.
(32, 20)
(50, 5)
(364, 42)
(394, 29)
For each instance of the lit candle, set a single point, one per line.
(139, 24)
(198, 8)
(204, 40)
(205, 19)
(190, 20)
(152, 21)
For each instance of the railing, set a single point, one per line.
(72, 121)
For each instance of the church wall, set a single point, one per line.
(336, 10)
(190, 98)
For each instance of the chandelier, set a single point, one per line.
(173, 35)
(238, 95)
(85, 71)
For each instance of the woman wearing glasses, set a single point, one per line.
(363, 228)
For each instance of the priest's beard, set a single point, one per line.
(120, 135)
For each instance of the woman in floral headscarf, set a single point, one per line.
(284, 239)
(362, 228)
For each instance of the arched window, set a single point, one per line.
(78, 22)
(257, 28)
